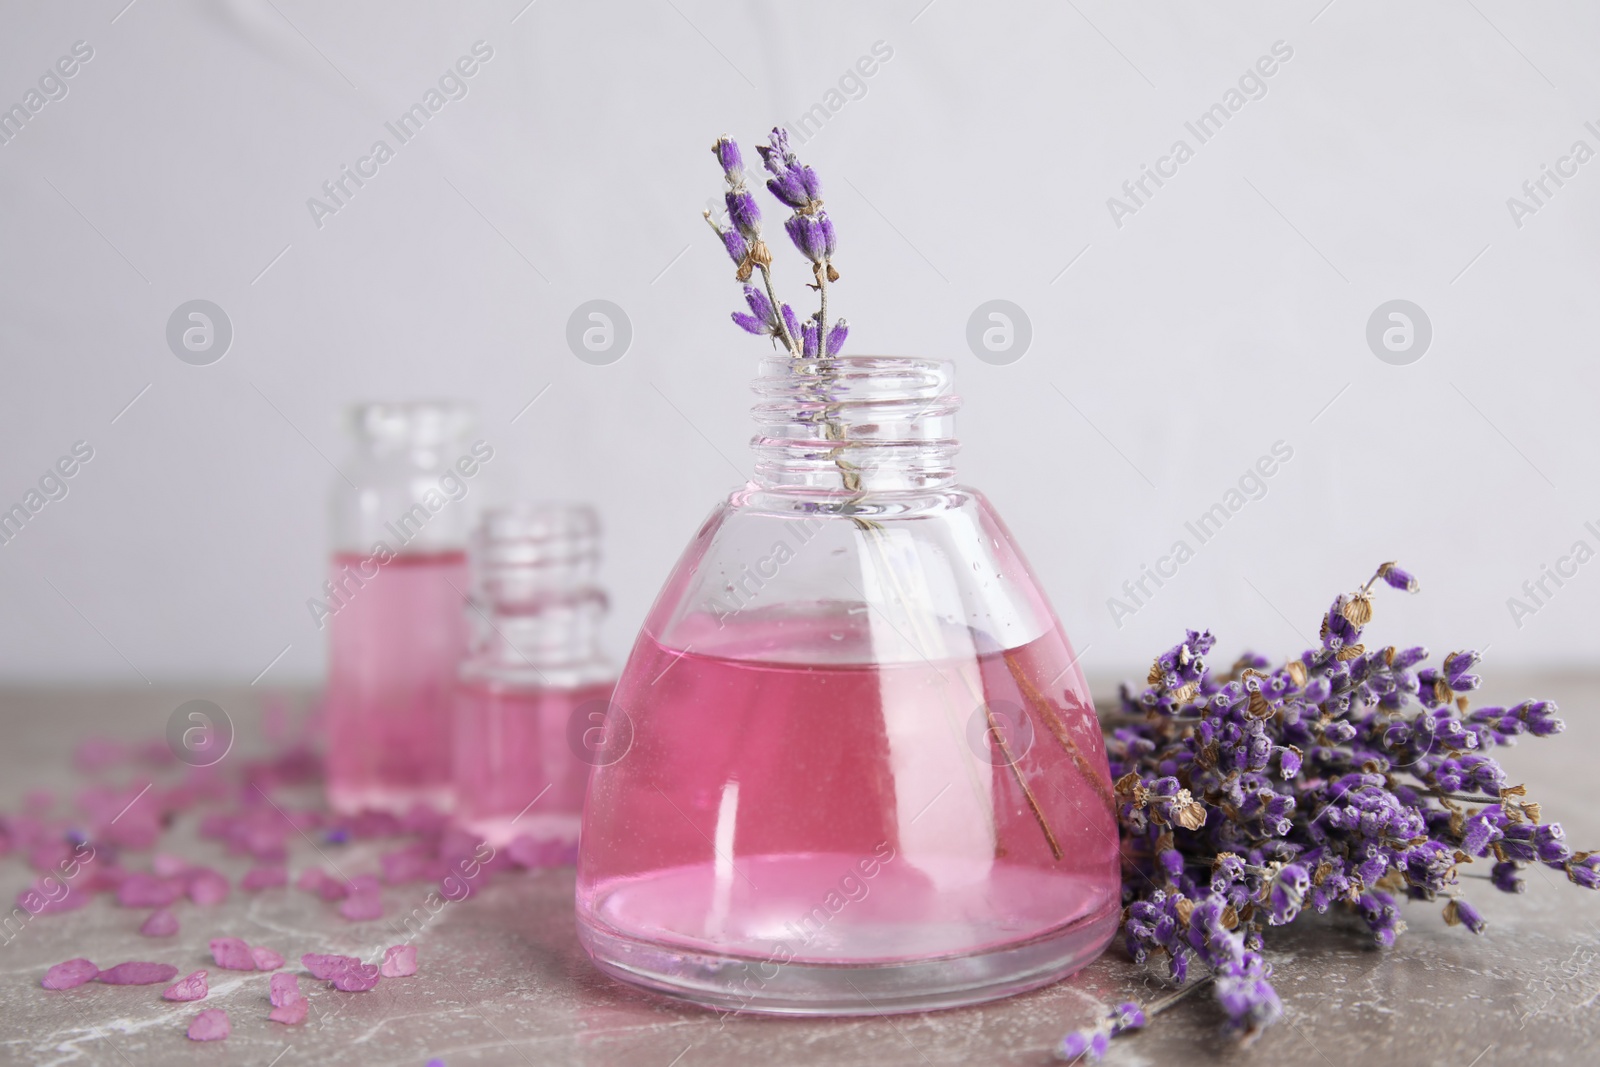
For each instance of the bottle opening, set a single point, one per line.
(854, 425)
(411, 424)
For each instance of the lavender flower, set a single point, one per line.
(1093, 1042)
(1346, 776)
(796, 187)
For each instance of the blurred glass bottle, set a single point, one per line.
(395, 602)
(534, 689)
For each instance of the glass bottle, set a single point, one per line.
(866, 775)
(394, 597)
(535, 684)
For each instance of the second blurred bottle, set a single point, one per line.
(535, 679)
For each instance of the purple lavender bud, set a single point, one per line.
(808, 344)
(1470, 917)
(1550, 842)
(1318, 690)
(1507, 877)
(1289, 760)
(744, 214)
(1518, 844)
(1288, 891)
(1410, 657)
(806, 233)
(1584, 872)
(1171, 861)
(1229, 868)
(727, 153)
(749, 323)
(836, 336)
(1074, 1045)
(1258, 751)
(734, 242)
(829, 241)
(808, 181)
(1127, 1016)
(1541, 720)
(1381, 915)
(791, 321)
(787, 188)
(760, 306)
(1553, 853)
(1397, 578)
(776, 151)
(1478, 834)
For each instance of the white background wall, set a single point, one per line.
(1227, 314)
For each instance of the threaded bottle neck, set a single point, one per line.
(855, 425)
(537, 609)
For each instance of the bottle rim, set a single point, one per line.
(411, 422)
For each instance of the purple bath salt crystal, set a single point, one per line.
(526, 850)
(316, 880)
(285, 989)
(232, 954)
(70, 974)
(270, 877)
(191, 988)
(357, 978)
(48, 895)
(49, 856)
(409, 864)
(208, 887)
(138, 973)
(362, 906)
(160, 923)
(266, 959)
(325, 966)
(365, 883)
(210, 1025)
(166, 865)
(141, 890)
(292, 1012)
(399, 961)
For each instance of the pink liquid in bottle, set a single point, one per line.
(394, 647)
(794, 818)
(515, 765)
(534, 689)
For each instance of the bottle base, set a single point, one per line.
(501, 830)
(770, 986)
(347, 800)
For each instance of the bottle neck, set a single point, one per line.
(852, 426)
(407, 479)
(536, 608)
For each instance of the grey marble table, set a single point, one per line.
(503, 980)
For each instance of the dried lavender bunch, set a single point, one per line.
(795, 185)
(1343, 777)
